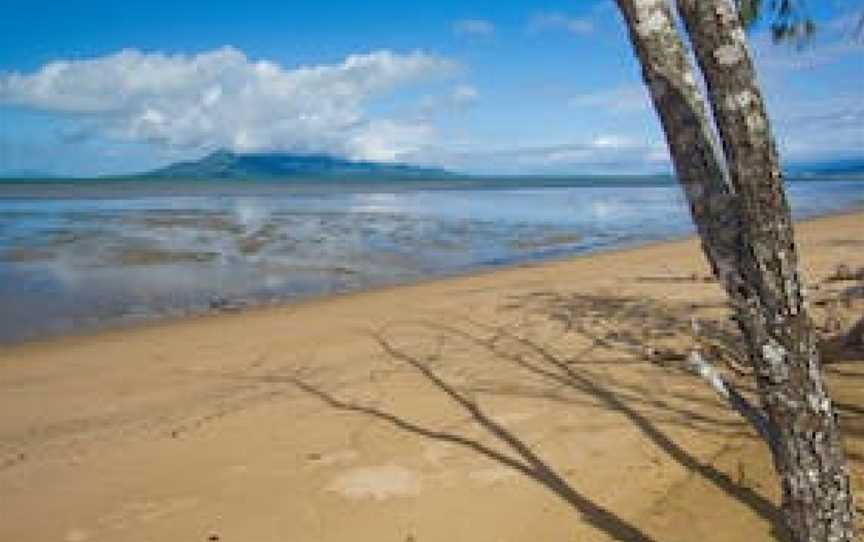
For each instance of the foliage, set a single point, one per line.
(789, 19)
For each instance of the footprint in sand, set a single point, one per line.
(379, 483)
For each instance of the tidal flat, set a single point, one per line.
(75, 257)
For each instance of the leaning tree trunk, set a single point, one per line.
(781, 338)
(741, 214)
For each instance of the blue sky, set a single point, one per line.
(97, 87)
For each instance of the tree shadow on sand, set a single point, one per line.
(614, 331)
(525, 460)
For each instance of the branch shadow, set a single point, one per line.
(549, 366)
(649, 329)
(842, 338)
(567, 381)
(525, 461)
(613, 332)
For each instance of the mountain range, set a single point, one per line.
(230, 165)
(225, 164)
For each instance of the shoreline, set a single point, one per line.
(310, 299)
(314, 421)
(305, 300)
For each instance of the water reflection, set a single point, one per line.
(74, 259)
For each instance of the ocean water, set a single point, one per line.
(88, 254)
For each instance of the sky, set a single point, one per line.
(96, 87)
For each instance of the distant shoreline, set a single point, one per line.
(456, 178)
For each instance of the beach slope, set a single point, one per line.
(542, 402)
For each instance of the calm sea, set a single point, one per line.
(87, 254)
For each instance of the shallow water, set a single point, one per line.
(81, 255)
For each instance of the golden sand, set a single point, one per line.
(543, 402)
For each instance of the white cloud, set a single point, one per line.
(388, 140)
(478, 28)
(463, 96)
(610, 153)
(605, 153)
(783, 58)
(613, 142)
(813, 129)
(542, 22)
(621, 99)
(812, 94)
(455, 102)
(221, 98)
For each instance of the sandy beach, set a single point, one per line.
(540, 402)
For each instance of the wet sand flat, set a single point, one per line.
(542, 402)
(91, 255)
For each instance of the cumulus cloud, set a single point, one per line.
(387, 140)
(221, 98)
(455, 102)
(542, 22)
(478, 28)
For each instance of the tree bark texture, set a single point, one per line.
(741, 214)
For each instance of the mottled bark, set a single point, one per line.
(772, 314)
(724, 389)
(743, 220)
(696, 157)
(678, 101)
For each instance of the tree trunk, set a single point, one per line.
(680, 106)
(744, 223)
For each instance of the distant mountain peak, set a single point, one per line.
(226, 164)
